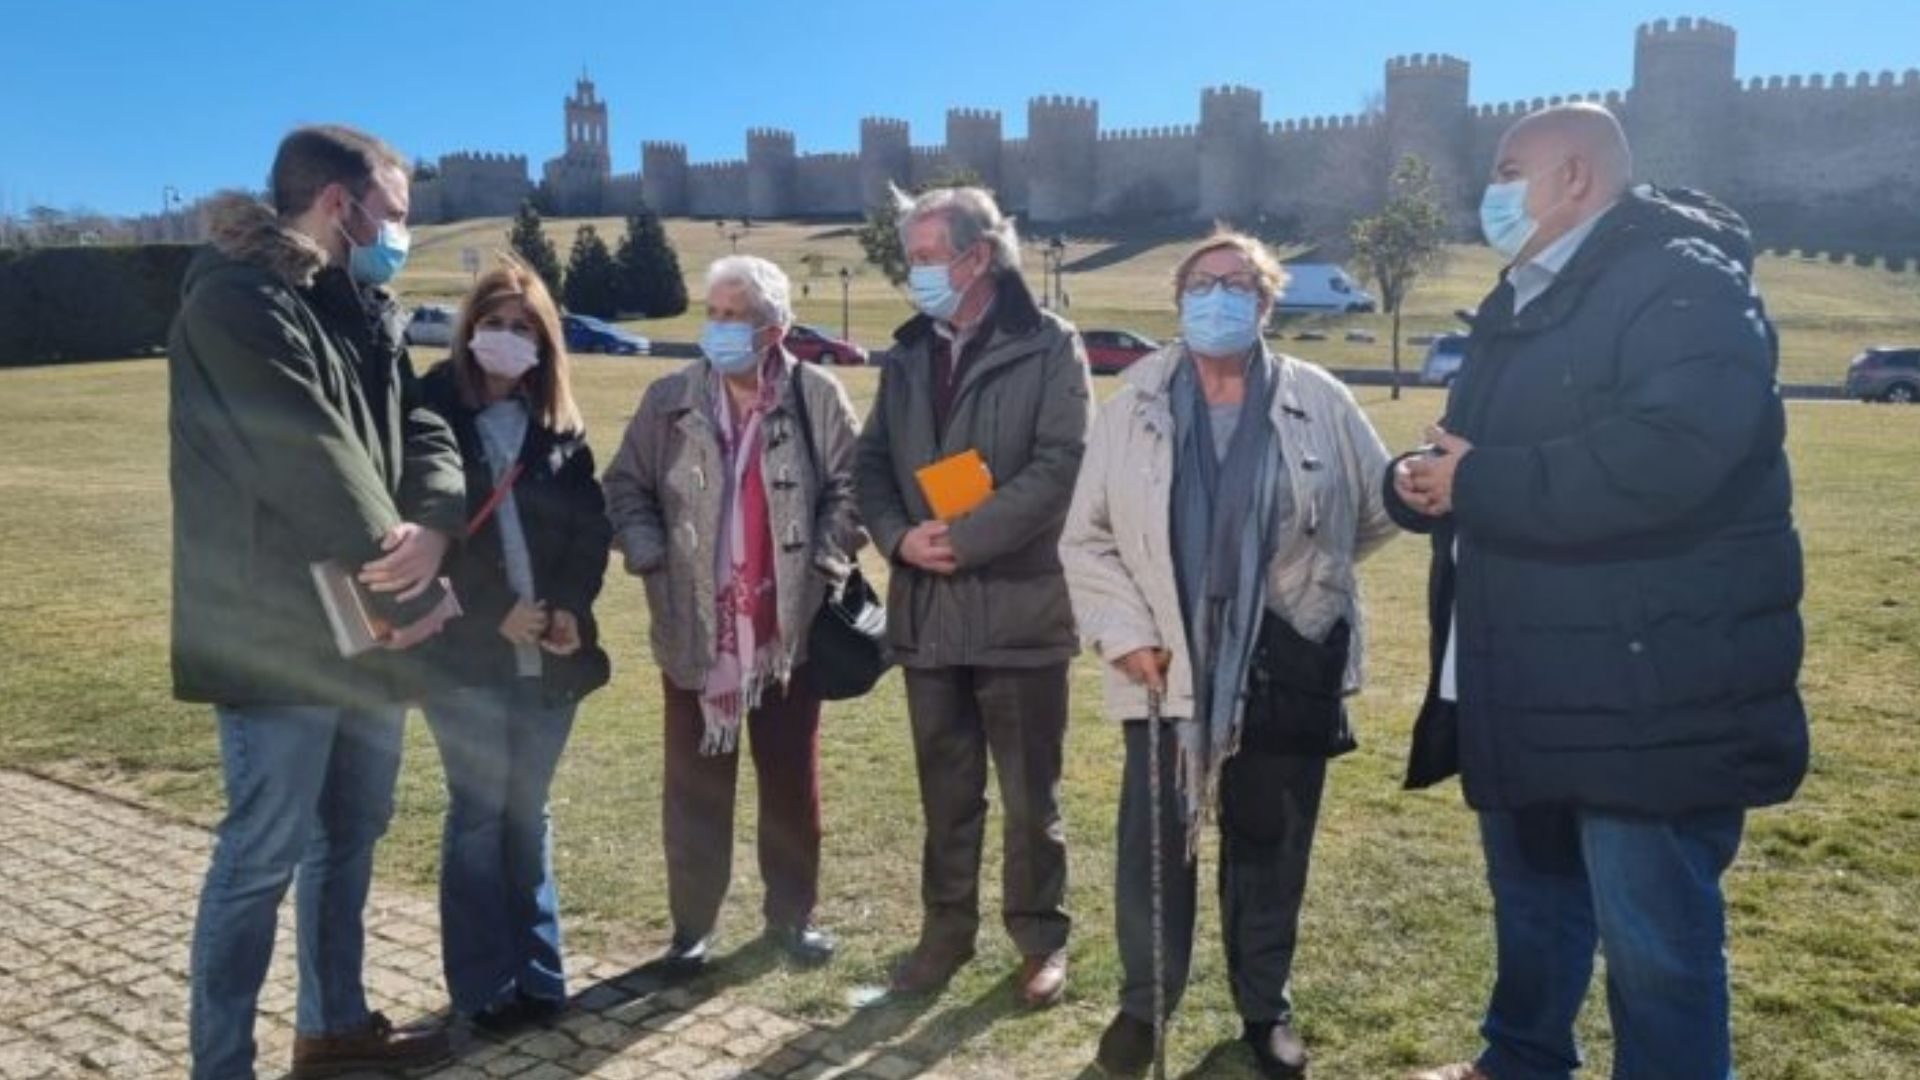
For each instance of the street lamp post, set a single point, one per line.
(846, 280)
(169, 203)
(1057, 247)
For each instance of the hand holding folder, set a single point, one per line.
(956, 486)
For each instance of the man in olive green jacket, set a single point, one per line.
(977, 610)
(296, 439)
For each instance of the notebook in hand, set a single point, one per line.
(362, 621)
(956, 486)
(356, 628)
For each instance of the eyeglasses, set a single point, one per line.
(1237, 284)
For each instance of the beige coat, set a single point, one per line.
(1117, 547)
(663, 494)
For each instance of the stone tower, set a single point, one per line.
(1680, 111)
(973, 143)
(663, 169)
(770, 173)
(1230, 144)
(1427, 117)
(886, 157)
(1061, 135)
(587, 128)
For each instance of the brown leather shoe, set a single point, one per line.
(927, 970)
(1043, 979)
(1465, 1070)
(376, 1045)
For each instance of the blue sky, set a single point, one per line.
(103, 103)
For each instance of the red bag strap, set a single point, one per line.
(500, 490)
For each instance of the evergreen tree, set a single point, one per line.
(593, 281)
(531, 244)
(650, 282)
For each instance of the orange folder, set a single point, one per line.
(957, 485)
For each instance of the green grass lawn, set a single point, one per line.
(1395, 953)
(1826, 311)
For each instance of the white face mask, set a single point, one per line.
(504, 353)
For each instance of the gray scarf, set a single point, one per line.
(1223, 538)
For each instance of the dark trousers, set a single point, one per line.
(698, 797)
(1019, 716)
(1269, 806)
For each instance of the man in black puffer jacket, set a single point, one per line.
(1615, 599)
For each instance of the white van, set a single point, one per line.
(1323, 288)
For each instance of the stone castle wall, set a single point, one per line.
(1814, 161)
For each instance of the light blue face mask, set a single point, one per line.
(728, 346)
(1218, 321)
(931, 288)
(379, 262)
(1504, 220)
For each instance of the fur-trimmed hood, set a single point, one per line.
(246, 230)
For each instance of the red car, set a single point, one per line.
(810, 344)
(1110, 351)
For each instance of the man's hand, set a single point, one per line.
(1146, 667)
(412, 559)
(563, 634)
(1426, 483)
(525, 623)
(425, 627)
(927, 547)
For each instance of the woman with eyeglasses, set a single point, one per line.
(1227, 493)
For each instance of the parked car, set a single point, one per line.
(1110, 351)
(1320, 287)
(586, 334)
(1885, 374)
(815, 346)
(430, 324)
(1444, 357)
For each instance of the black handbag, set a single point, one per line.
(1295, 692)
(846, 650)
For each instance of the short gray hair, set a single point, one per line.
(970, 214)
(768, 290)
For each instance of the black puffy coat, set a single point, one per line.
(564, 517)
(1629, 577)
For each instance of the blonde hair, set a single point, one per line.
(550, 385)
(1266, 268)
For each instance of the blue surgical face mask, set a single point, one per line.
(1218, 321)
(728, 346)
(931, 288)
(1504, 219)
(378, 262)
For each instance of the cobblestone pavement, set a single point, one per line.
(96, 909)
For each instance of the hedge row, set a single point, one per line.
(59, 305)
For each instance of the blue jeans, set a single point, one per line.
(1647, 892)
(499, 915)
(310, 789)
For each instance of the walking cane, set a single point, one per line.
(1158, 925)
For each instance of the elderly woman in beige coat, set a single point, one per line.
(740, 521)
(1227, 493)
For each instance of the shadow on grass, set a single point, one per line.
(627, 1001)
(877, 1026)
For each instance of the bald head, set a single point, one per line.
(1576, 162)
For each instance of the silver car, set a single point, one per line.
(1443, 360)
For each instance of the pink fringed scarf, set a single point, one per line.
(747, 626)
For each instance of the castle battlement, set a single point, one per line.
(1426, 66)
(1830, 151)
(1685, 29)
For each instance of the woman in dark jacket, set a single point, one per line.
(505, 678)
